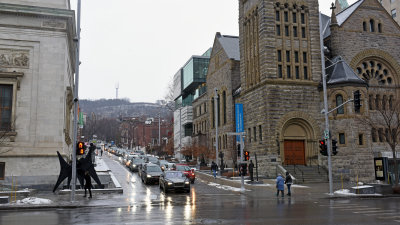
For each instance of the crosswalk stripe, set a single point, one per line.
(348, 207)
(380, 214)
(390, 217)
(339, 205)
(376, 211)
(364, 209)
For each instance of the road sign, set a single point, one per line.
(326, 134)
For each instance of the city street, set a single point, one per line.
(141, 204)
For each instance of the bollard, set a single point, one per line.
(341, 178)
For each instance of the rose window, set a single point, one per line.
(375, 72)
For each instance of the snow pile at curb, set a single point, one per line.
(34, 201)
(344, 192)
(225, 187)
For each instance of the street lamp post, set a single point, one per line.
(216, 124)
(75, 131)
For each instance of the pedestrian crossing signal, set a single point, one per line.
(246, 156)
(80, 148)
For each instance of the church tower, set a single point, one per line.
(280, 75)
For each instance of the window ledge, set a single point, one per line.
(9, 134)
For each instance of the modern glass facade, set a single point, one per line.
(194, 72)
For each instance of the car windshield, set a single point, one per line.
(163, 162)
(153, 169)
(152, 159)
(182, 168)
(138, 161)
(173, 175)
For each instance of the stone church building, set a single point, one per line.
(281, 82)
(37, 61)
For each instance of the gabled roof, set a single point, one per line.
(345, 14)
(341, 73)
(230, 44)
(340, 17)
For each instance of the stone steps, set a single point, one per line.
(308, 174)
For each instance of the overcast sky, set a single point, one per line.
(140, 44)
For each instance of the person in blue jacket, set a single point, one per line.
(280, 185)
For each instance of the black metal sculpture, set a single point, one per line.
(82, 165)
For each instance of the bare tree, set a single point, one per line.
(386, 120)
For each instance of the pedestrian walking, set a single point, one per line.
(251, 167)
(288, 182)
(88, 184)
(280, 186)
(92, 148)
(101, 152)
(214, 169)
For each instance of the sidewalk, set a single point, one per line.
(27, 199)
(267, 188)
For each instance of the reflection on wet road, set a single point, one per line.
(147, 204)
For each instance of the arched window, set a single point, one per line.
(213, 112)
(373, 134)
(379, 27)
(391, 102)
(377, 99)
(219, 109)
(364, 26)
(384, 99)
(372, 25)
(224, 105)
(339, 101)
(370, 100)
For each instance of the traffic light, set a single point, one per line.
(323, 148)
(246, 155)
(334, 147)
(80, 148)
(357, 101)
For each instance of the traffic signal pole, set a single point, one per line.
(326, 107)
(75, 131)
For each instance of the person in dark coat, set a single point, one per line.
(214, 169)
(251, 167)
(93, 148)
(88, 184)
(280, 185)
(288, 182)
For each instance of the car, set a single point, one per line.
(151, 159)
(150, 173)
(174, 181)
(163, 164)
(186, 170)
(135, 164)
(127, 159)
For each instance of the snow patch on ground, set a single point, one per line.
(363, 186)
(344, 192)
(299, 186)
(225, 187)
(34, 201)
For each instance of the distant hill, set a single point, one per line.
(114, 108)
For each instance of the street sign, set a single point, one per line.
(326, 134)
(239, 119)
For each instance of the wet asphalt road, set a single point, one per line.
(146, 204)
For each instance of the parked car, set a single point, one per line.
(186, 170)
(150, 173)
(135, 164)
(174, 181)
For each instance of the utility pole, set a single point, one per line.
(75, 132)
(326, 111)
(216, 124)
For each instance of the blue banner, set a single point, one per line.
(239, 119)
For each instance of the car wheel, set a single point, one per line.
(165, 190)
